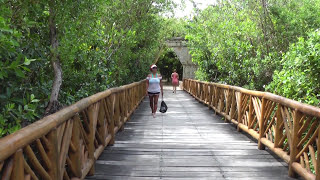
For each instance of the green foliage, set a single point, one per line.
(175, 27)
(16, 104)
(13, 114)
(245, 43)
(221, 45)
(107, 43)
(167, 63)
(294, 19)
(102, 43)
(299, 78)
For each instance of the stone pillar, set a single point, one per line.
(180, 48)
(189, 71)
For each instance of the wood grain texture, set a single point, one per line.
(288, 128)
(187, 142)
(36, 130)
(65, 145)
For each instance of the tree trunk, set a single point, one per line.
(53, 104)
(159, 54)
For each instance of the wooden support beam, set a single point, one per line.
(262, 124)
(302, 116)
(53, 154)
(18, 166)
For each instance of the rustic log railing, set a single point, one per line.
(288, 128)
(66, 144)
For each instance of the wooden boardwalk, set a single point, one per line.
(188, 142)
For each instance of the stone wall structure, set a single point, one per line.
(179, 46)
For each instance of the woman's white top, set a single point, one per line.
(154, 83)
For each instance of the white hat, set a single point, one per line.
(153, 65)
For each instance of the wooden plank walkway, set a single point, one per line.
(188, 142)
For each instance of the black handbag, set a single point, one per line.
(163, 107)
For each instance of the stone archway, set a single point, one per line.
(179, 46)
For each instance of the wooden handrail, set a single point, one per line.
(288, 128)
(76, 136)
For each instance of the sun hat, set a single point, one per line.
(153, 66)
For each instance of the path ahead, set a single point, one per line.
(188, 142)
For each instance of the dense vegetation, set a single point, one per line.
(53, 53)
(167, 63)
(264, 45)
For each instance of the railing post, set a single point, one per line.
(227, 99)
(278, 132)
(182, 83)
(18, 166)
(102, 122)
(198, 91)
(138, 94)
(53, 154)
(75, 154)
(93, 116)
(187, 85)
(194, 88)
(221, 100)
(122, 109)
(210, 92)
(206, 90)
(202, 91)
(111, 106)
(262, 124)
(130, 99)
(116, 109)
(250, 117)
(239, 111)
(127, 104)
(216, 99)
(233, 104)
(135, 96)
(294, 150)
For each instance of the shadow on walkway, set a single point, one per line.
(187, 142)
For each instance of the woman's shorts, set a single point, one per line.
(153, 94)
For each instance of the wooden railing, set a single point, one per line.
(66, 144)
(288, 128)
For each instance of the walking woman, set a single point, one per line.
(175, 80)
(154, 86)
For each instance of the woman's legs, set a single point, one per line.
(151, 102)
(155, 104)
